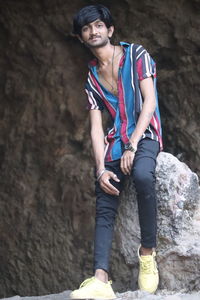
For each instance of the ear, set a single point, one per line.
(110, 31)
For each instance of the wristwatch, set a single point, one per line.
(129, 147)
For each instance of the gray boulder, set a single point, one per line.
(178, 251)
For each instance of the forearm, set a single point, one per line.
(98, 146)
(143, 120)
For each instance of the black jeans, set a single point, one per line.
(143, 174)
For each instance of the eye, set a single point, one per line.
(85, 28)
(99, 25)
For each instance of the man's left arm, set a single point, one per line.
(149, 105)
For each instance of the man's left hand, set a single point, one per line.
(127, 162)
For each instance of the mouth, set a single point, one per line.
(94, 38)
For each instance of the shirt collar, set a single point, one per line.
(124, 44)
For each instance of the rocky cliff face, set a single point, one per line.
(46, 170)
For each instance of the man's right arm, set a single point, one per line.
(97, 136)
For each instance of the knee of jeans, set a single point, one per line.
(105, 218)
(106, 210)
(143, 179)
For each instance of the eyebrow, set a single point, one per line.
(98, 21)
(95, 22)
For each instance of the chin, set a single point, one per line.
(97, 44)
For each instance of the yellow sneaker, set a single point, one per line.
(93, 288)
(148, 273)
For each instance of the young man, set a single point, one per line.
(122, 80)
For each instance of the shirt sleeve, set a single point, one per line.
(146, 67)
(93, 99)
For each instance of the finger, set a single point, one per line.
(129, 165)
(131, 162)
(122, 167)
(114, 177)
(107, 184)
(113, 190)
(109, 175)
(109, 188)
(127, 162)
(110, 191)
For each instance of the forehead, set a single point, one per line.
(94, 22)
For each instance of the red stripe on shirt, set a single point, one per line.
(157, 128)
(122, 110)
(139, 69)
(108, 154)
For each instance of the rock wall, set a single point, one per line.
(46, 169)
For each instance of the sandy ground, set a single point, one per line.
(160, 295)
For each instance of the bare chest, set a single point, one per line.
(108, 76)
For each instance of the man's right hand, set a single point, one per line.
(105, 184)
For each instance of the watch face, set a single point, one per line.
(128, 146)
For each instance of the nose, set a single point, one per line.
(93, 30)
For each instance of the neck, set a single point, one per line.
(104, 54)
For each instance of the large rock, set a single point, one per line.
(178, 253)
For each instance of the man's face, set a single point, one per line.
(96, 34)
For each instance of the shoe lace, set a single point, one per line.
(147, 266)
(90, 280)
(86, 281)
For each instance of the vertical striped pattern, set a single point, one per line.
(109, 106)
(146, 67)
(135, 65)
(123, 112)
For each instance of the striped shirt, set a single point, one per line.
(135, 65)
